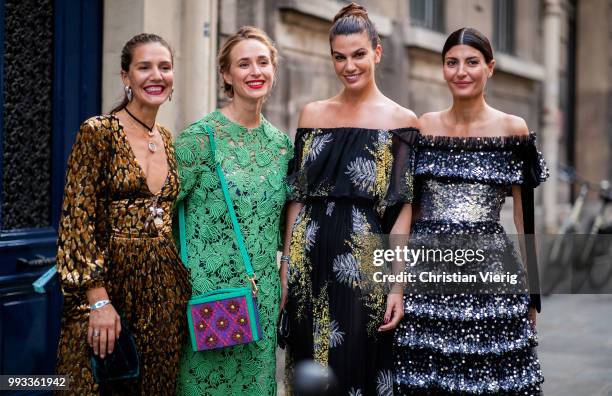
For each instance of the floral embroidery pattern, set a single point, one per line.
(254, 162)
(346, 178)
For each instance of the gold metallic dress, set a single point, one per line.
(115, 233)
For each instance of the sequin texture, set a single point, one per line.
(473, 344)
(107, 238)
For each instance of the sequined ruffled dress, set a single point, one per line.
(107, 238)
(347, 178)
(254, 162)
(466, 344)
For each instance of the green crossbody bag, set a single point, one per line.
(229, 316)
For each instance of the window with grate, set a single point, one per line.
(503, 26)
(428, 14)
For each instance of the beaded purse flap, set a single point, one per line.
(223, 318)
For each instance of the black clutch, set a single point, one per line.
(282, 329)
(122, 364)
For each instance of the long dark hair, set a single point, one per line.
(126, 58)
(351, 19)
(473, 38)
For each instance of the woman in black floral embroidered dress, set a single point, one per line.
(353, 162)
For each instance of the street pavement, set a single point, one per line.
(575, 345)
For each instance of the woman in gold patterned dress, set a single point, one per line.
(116, 255)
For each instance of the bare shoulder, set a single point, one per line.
(430, 123)
(432, 116)
(403, 117)
(514, 125)
(312, 113)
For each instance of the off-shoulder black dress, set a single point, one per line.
(471, 343)
(348, 179)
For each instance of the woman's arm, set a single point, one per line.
(80, 258)
(517, 126)
(294, 206)
(401, 189)
(518, 223)
(395, 300)
(293, 209)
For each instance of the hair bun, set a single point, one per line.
(352, 9)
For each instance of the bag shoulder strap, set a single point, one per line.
(230, 207)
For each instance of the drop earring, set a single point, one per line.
(170, 96)
(128, 92)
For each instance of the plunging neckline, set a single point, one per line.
(143, 175)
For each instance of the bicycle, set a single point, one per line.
(559, 257)
(597, 247)
(572, 252)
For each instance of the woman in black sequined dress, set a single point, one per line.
(469, 159)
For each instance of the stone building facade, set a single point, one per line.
(553, 63)
(60, 65)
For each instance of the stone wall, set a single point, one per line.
(410, 71)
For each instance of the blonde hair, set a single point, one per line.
(244, 33)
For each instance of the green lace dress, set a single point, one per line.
(254, 162)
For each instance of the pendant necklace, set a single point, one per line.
(156, 212)
(152, 146)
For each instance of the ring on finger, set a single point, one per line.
(96, 333)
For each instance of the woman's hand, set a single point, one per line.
(532, 317)
(104, 329)
(394, 312)
(284, 292)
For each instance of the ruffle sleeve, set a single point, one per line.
(348, 162)
(534, 169)
(512, 160)
(401, 181)
(401, 189)
(296, 174)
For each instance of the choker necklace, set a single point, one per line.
(152, 146)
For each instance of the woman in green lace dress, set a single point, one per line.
(253, 155)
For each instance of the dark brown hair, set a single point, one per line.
(127, 54)
(244, 33)
(473, 38)
(351, 19)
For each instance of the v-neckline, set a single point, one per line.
(143, 175)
